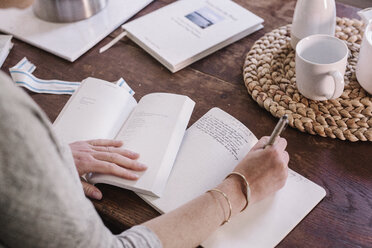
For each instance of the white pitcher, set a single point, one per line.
(364, 66)
(313, 17)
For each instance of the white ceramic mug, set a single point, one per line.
(320, 67)
(313, 17)
(364, 66)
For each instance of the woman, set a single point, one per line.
(42, 202)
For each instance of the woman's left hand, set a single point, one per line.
(106, 157)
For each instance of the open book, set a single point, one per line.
(154, 128)
(211, 148)
(188, 30)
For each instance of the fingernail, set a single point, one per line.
(97, 195)
(134, 154)
(143, 166)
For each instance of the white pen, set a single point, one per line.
(113, 42)
(280, 126)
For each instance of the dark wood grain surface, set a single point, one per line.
(344, 169)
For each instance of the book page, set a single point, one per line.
(97, 110)
(155, 130)
(211, 149)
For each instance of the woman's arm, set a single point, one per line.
(266, 171)
(42, 203)
(187, 226)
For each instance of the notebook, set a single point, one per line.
(211, 148)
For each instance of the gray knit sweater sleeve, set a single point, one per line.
(42, 203)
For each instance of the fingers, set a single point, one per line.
(278, 154)
(120, 160)
(105, 142)
(123, 152)
(106, 157)
(261, 143)
(280, 144)
(91, 191)
(286, 157)
(111, 146)
(110, 168)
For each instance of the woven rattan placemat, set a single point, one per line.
(269, 75)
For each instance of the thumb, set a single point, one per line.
(91, 191)
(261, 143)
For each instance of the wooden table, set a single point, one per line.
(344, 169)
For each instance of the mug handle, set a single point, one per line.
(366, 15)
(339, 83)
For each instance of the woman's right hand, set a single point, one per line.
(266, 169)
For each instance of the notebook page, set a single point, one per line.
(211, 148)
(266, 223)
